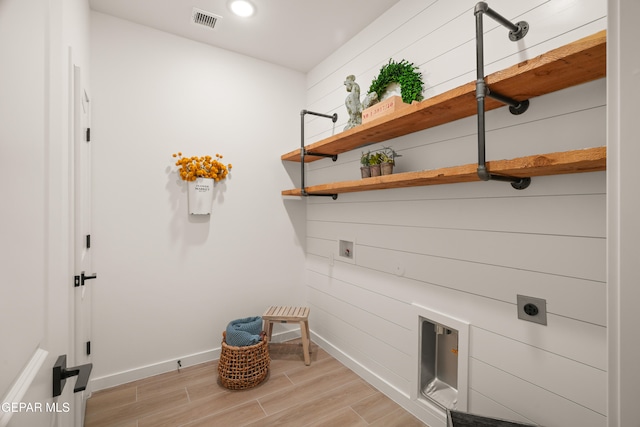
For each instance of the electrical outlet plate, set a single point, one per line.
(532, 309)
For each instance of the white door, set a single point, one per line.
(84, 278)
(36, 287)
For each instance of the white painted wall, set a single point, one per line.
(467, 250)
(168, 283)
(623, 89)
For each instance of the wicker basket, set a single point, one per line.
(243, 367)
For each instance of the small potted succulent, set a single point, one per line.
(387, 160)
(365, 170)
(375, 161)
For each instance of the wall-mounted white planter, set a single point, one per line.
(200, 196)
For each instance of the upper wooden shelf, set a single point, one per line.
(576, 161)
(573, 64)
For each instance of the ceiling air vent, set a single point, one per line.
(202, 17)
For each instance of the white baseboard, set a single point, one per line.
(142, 372)
(421, 409)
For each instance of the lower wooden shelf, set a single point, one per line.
(566, 162)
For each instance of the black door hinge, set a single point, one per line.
(88, 348)
(88, 240)
(88, 136)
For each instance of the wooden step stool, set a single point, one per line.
(290, 314)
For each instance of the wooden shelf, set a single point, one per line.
(576, 161)
(573, 64)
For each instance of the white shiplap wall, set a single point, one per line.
(467, 250)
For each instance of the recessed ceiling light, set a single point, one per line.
(242, 8)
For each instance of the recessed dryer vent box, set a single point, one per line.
(346, 250)
(441, 376)
(439, 363)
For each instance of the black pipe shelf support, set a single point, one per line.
(304, 153)
(516, 32)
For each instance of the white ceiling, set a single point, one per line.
(297, 34)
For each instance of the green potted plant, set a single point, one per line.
(374, 163)
(365, 169)
(387, 160)
(405, 74)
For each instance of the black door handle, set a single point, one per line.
(61, 373)
(79, 280)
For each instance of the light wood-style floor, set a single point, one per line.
(323, 394)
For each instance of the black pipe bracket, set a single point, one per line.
(516, 32)
(523, 29)
(304, 153)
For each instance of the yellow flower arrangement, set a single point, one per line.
(192, 168)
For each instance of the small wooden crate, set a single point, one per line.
(243, 367)
(383, 108)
